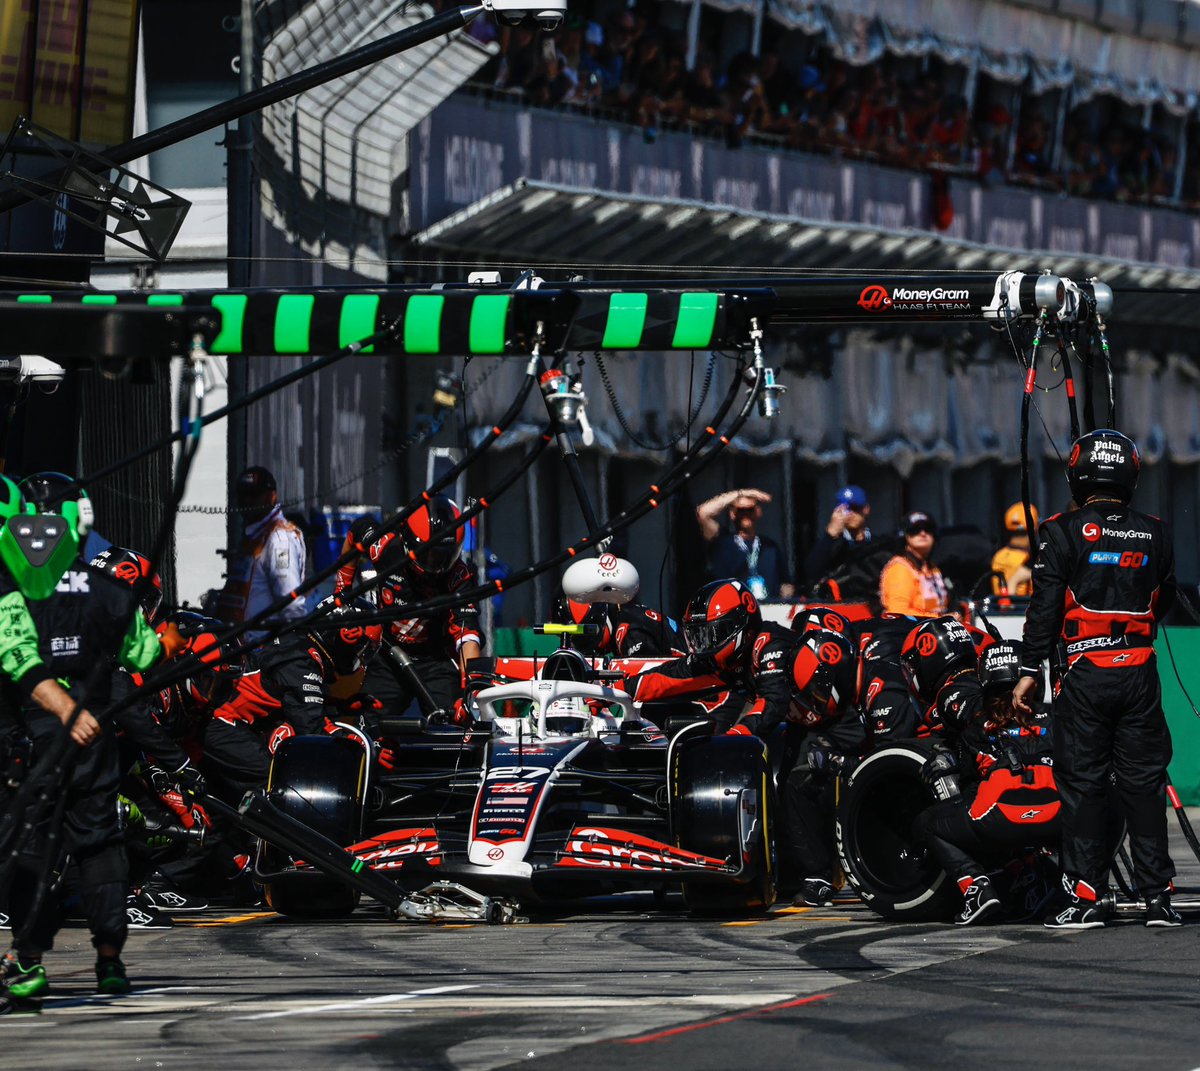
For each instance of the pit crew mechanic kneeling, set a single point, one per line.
(1103, 578)
(66, 625)
(996, 775)
(827, 730)
(284, 695)
(424, 656)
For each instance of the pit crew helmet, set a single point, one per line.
(1103, 462)
(1000, 666)
(432, 538)
(825, 674)
(132, 568)
(721, 621)
(39, 545)
(932, 652)
(349, 644)
(569, 612)
(824, 618)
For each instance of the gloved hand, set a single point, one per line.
(739, 730)
(822, 760)
(939, 765)
(189, 780)
(700, 665)
(462, 714)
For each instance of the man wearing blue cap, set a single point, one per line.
(846, 531)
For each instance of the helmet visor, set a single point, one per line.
(709, 637)
(437, 556)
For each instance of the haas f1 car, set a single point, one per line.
(559, 789)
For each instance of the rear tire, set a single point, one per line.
(879, 852)
(712, 777)
(318, 780)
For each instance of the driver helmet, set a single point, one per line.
(933, 651)
(432, 537)
(132, 568)
(569, 612)
(568, 717)
(721, 622)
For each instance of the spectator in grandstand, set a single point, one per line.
(847, 528)
(911, 584)
(706, 104)
(1012, 560)
(600, 64)
(739, 552)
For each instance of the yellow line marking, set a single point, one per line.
(232, 920)
(749, 922)
(791, 910)
(457, 926)
(829, 918)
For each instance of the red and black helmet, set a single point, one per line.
(432, 537)
(130, 567)
(932, 652)
(1103, 462)
(721, 621)
(825, 675)
(350, 644)
(569, 612)
(821, 617)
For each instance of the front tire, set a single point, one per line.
(318, 780)
(723, 807)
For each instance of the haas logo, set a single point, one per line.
(608, 562)
(748, 602)
(830, 653)
(874, 299)
(127, 571)
(926, 644)
(1091, 532)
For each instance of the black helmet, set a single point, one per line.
(821, 617)
(1000, 666)
(1103, 461)
(569, 612)
(932, 652)
(132, 568)
(350, 645)
(824, 675)
(432, 536)
(721, 621)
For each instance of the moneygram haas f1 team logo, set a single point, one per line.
(874, 299)
(1091, 532)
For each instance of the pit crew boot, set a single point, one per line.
(23, 986)
(979, 900)
(111, 977)
(1080, 912)
(141, 914)
(814, 892)
(1159, 912)
(158, 894)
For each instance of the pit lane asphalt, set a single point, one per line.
(625, 983)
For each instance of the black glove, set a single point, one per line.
(822, 760)
(942, 764)
(700, 665)
(189, 780)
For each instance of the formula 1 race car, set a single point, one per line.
(558, 790)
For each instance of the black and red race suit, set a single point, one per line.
(640, 632)
(282, 694)
(1103, 578)
(891, 711)
(1009, 798)
(431, 643)
(759, 678)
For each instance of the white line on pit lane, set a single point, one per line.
(348, 1005)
